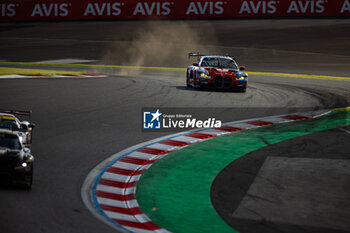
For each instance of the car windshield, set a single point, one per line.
(8, 123)
(219, 63)
(10, 141)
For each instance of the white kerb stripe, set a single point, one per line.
(164, 147)
(277, 120)
(215, 132)
(132, 218)
(118, 177)
(110, 189)
(128, 166)
(243, 126)
(187, 139)
(123, 204)
(141, 155)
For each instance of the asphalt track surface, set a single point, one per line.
(81, 122)
(321, 162)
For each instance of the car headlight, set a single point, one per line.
(240, 78)
(21, 166)
(204, 75)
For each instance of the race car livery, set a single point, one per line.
(24, 129)
(16, 161)
(220, 72)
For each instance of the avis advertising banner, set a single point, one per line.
(12, 10)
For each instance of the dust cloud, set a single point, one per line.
(159, 44)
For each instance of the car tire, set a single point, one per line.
(30, 182)
(188, 85)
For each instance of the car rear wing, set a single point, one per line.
(198, 55)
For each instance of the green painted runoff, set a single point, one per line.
(175, 191)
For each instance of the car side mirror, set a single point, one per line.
(196, 64)
(26, 125)
(241, 68)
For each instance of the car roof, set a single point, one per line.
(7, 116)
(217, 56)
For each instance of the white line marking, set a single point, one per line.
(67, 61)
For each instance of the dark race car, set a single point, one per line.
(16, 161)
(220, 72)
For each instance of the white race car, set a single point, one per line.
(24, 129)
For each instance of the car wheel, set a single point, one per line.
(28, 185)
(188, 85)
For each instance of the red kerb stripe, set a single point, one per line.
(125, 172)
(129, 211)
(152, 151)
(260, 123)
(174, 143)
(229, 128)
(115, 196)
(117, 184)
(296, 117)
(200, 135)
